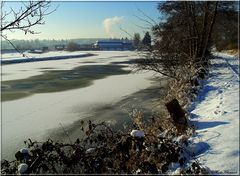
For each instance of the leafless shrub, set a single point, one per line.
(25, 18)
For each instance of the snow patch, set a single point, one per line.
(137, 133)
(22, 168)
(90, 150)
(24, 151)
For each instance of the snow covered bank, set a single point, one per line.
(16, 55)
(216, 116)
(38, 59)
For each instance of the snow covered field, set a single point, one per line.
(43, 57)
(216, 115)
(32, 117)
(16, 55)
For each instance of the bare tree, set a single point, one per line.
(28, 15)
(182, 40)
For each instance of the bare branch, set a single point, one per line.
(125, 31)
(19, 51)
(30, 15)
(144, 20)
(147, 16)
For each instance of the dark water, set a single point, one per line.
(60, 80)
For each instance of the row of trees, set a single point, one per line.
(145, 42)
(184, 39)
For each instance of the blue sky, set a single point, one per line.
(78, 19)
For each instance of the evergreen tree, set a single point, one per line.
(147, 39)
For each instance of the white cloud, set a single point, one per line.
(108, 23)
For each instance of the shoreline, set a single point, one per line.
(32, 59)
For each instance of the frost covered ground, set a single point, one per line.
(34, 116)
(216, 116)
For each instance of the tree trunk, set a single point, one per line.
(196, 33)
(210, 29)
(204, 27)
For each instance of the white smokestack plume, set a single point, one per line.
(109, 22)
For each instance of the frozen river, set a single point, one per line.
(35, 109)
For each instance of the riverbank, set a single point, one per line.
(42, 58)
(215, 114)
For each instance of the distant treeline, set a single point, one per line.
(39, 44)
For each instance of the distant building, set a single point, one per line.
(59, 47)
(36, 51)
(86, 47)
(118, 45)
